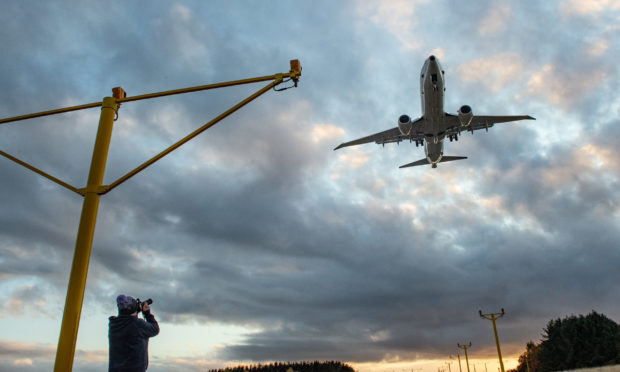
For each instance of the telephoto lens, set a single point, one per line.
(141, 303)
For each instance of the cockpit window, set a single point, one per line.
(424, 67)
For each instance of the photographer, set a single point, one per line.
(129, 335)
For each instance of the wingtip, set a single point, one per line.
(339, 146)
(531, 117)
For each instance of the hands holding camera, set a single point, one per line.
(144, 306)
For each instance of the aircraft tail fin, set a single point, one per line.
(425, 161)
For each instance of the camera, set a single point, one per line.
(141, 303)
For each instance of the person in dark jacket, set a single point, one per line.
(129, 336)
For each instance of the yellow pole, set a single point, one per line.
(458, 356)
(83, 245)
(464, 347)
(466, 359)
(492, 317)
(499, 351)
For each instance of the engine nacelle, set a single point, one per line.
(405, 125)
(465, 115)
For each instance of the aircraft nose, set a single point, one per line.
(432, 58)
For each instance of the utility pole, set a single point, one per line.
(527, 359)
(459, 357)
(465, 347)
(95, 188)
(452, 361)
(493, 317)
(449, 368)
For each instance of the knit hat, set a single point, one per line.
(127, 305)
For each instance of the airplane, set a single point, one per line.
(435, 124)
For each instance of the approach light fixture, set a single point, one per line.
(95, 188)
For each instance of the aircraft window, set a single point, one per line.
(434, 78)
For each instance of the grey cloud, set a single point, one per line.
(16, 356)
(244, 226)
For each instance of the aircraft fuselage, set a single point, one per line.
(432, 95)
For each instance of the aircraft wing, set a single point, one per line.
(481, 122)
(388, 136)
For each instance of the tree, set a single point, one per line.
(316, 366)
(529, 357)
(574, 342)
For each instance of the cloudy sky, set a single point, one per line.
(256, 241)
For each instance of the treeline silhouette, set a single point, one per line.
(573, 342)
(316, 366)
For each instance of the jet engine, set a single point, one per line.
(465, 115)
(405, 125)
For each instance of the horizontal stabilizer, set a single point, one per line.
(451, 158)
(416, 163)
(425, 161)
